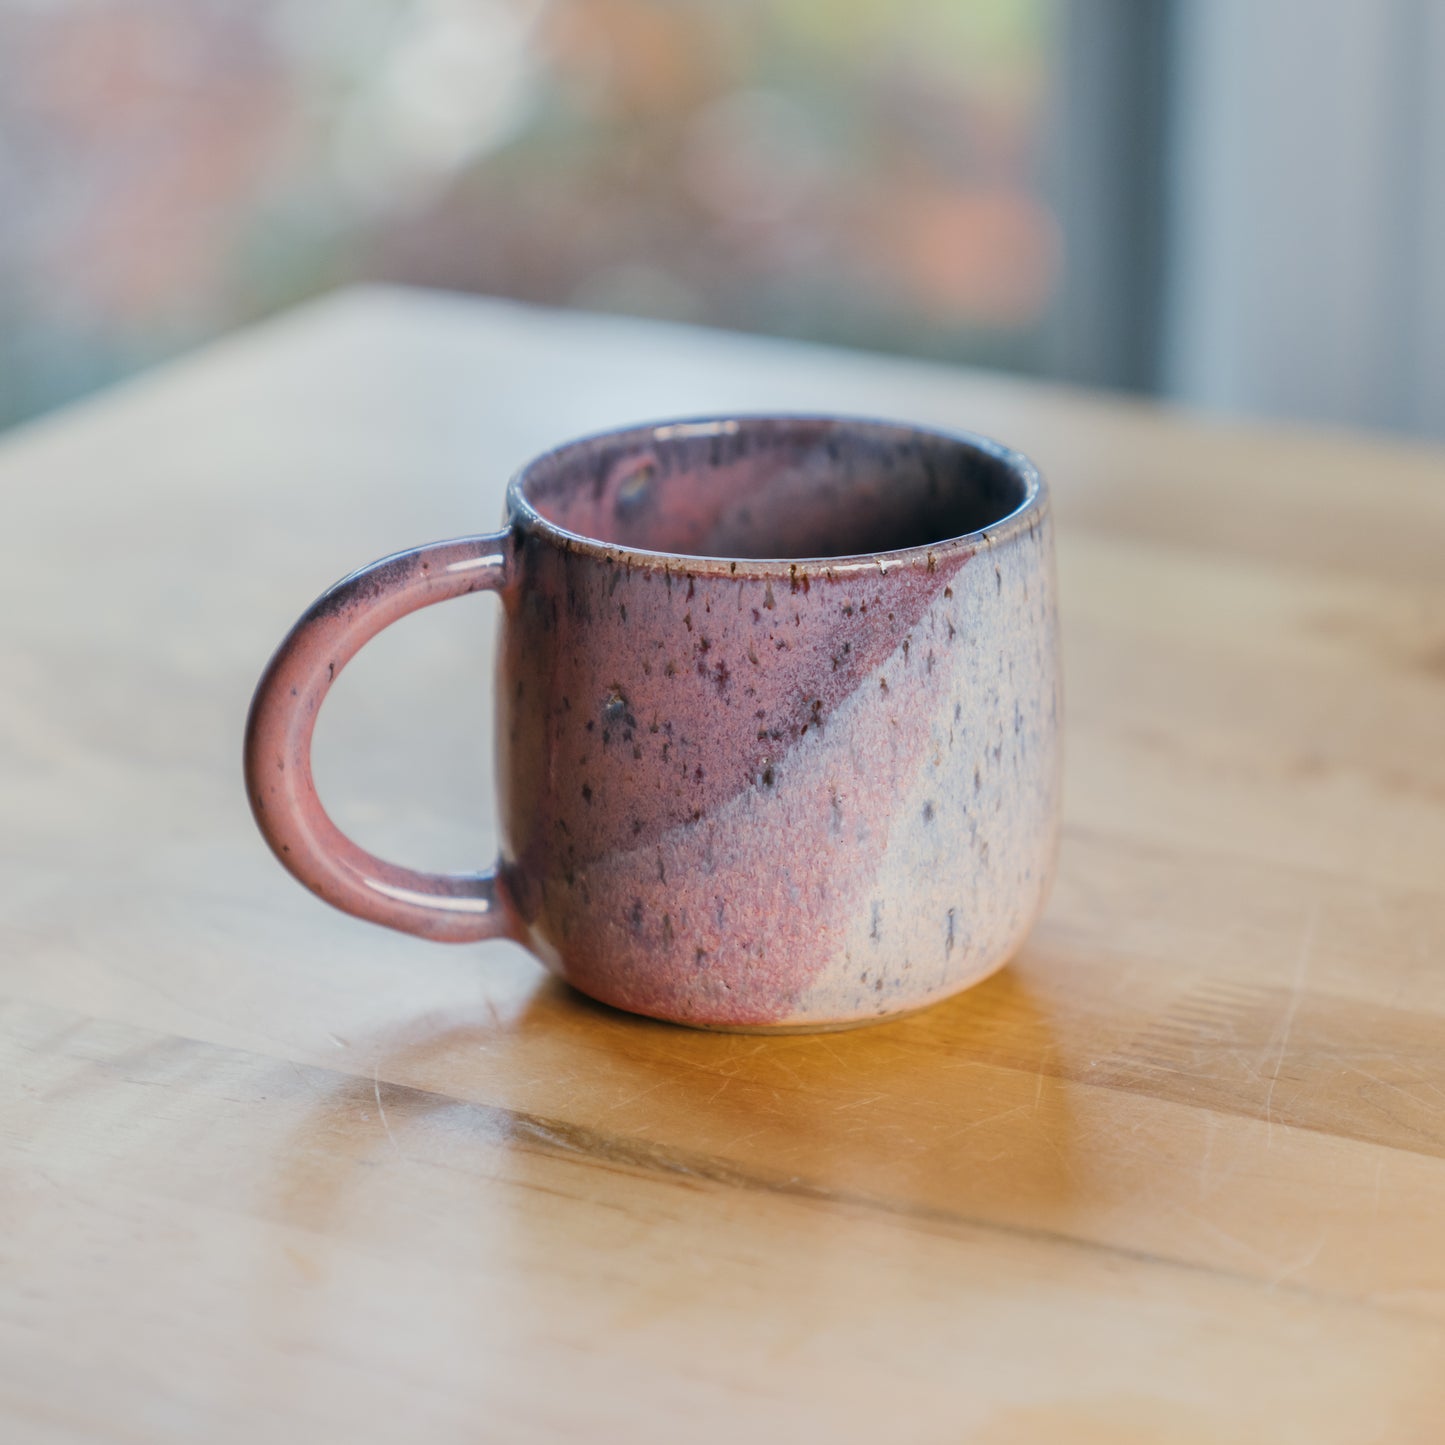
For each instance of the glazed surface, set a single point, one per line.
(762, 793)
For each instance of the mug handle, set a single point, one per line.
(451, 908)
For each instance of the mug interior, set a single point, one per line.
(776, 488)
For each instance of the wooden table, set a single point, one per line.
(269, 1174)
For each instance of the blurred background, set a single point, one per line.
(1236, 203)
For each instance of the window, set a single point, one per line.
(860, 171)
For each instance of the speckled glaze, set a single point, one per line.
(737, 791)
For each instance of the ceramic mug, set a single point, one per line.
(778, 720)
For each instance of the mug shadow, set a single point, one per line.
(577, 1173)
(952, 1117)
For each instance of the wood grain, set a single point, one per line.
(1177, 1174)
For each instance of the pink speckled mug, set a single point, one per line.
(778, 704)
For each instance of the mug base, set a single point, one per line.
(820, 1026)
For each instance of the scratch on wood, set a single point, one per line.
(1291, 1271)
(381, 1109)
(1301, 968)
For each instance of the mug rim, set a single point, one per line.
(1025, 516)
